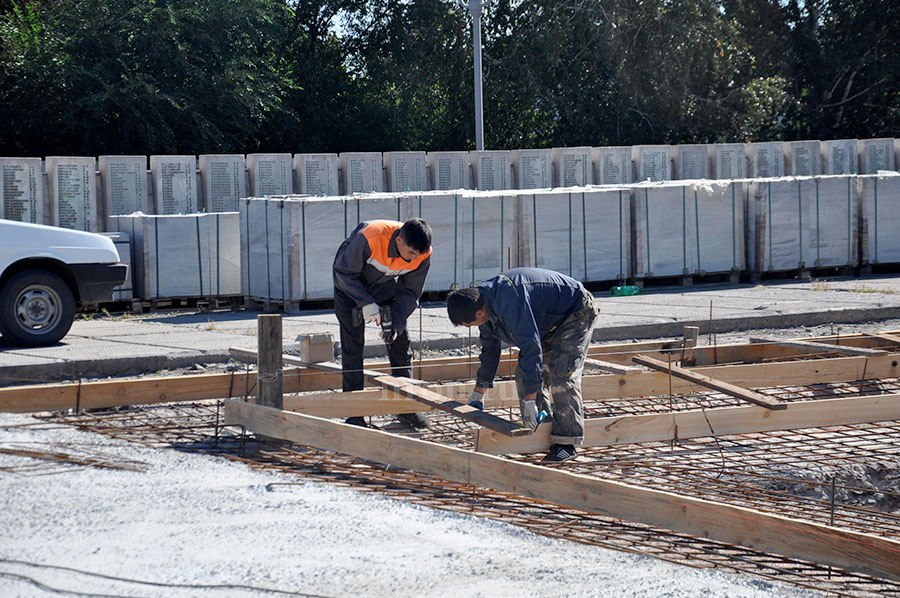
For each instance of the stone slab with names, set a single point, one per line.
(804, 158)
(362, 172)
(72, 183)
(317, 174)
(174, 184)
(766, 159)
(224, 181)
(613, 165)
(123, 180)
(270, 174)
(449, 170)
(729, 161)
(875, 155)
(533, 168)
(841, 156)
(405, 171)
(691, 161)
(652, 162)
(573, 166)
(21, 190)
(491, 169)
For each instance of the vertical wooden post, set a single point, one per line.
(270, 387)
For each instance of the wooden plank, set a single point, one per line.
(404, 387)
(412, 389)
(707, 382)
(606, 366)
(766, 532)
(891, 338)
(816, 346)
(680, 425)
(194, 387)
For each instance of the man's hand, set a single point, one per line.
(476, 400)
(370, 312)
(528, 407)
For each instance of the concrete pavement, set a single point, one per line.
(134, 344)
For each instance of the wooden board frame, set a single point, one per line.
(145, 391)
(846, 549)
(697, 423)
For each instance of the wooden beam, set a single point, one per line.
(412, 389)
(611, 368)
(865, 553)
(195, 387)
(722, 421)
(891, 338)
(707, 382)
(816, 347)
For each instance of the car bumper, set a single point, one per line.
(97, 281)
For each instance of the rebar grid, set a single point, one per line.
(763, 478)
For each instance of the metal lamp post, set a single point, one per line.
(476, 8)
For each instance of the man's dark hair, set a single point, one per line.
(417, 234)
(462, 305)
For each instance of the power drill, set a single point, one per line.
(387, 331)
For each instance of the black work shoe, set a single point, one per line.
(357, 421)
(414, 420)
(559, 453)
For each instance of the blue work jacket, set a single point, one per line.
(525, 306)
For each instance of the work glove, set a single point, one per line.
(529, 414)
(370, 312)
(476, 400)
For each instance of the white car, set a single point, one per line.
(46, 274)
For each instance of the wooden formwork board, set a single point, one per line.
(846, 549)
(113, 393)
(722, 421)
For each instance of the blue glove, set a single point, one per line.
(476, 400)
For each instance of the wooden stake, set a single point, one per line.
(270, 387)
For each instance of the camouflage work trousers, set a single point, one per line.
(564, 350)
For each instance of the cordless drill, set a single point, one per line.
(387, 331)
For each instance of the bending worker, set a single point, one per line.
(382, 263)
(550, 318)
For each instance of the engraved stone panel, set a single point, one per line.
(533, 167)
(613, 165)
(123, 180)
(21, 190)
(73, 192)
(224, 181)
(652, 162)
(841, 156)
(491, 169)
(729, 161)
(317, 174)
(573, 166)
(405, 171)
(766, 159)
(270, 174)
(691, 161)
(362, 172)
(449, 170)
(803, 158)
(875, 155)
(174, 184)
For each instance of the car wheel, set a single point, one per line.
(36, 308)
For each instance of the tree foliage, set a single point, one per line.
(95, 77)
